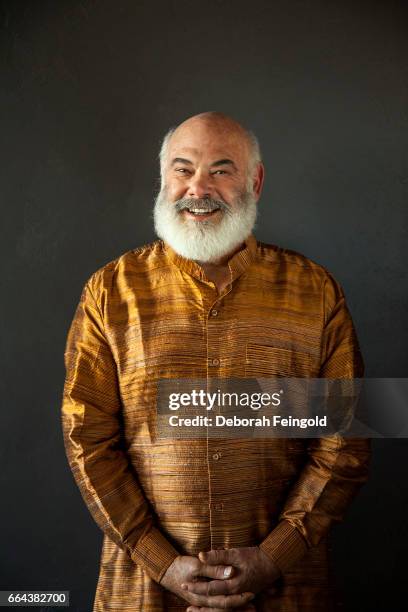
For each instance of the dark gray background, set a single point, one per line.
(87, 91)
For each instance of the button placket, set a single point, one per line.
(212, 314)
(214, 320)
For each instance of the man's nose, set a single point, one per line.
(199, 187)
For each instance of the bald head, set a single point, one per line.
(207, 129)
(218, 123)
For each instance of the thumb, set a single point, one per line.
(217, 572)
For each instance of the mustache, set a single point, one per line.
(207, 204)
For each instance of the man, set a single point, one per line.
(207, 524)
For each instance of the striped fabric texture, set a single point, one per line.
(152, 314)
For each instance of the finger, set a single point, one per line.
(219, 572)
(225, 602)
(218, 556)
(212, 587)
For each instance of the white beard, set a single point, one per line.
(205, 241)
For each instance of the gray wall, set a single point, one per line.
(87, 91)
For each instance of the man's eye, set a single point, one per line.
(182, 170)
(220, 172)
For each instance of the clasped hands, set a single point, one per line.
(221, 579)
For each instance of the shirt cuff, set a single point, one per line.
(284, 545)
(154, 554)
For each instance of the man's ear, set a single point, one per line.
(259, 177)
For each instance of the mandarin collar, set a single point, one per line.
(238, 263)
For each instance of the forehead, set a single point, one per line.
(201, 140)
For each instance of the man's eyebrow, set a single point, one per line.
(219, 162)
(180, 160)
(223, 162)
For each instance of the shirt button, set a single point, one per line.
(215, 362)
(216, 456)
(214, 313)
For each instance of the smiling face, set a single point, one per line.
(206, 159)
(207, 204)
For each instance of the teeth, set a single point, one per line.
(201, 211)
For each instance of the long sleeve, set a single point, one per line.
(336, 466)
(91, 421)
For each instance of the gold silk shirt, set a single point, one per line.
(152, 314)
